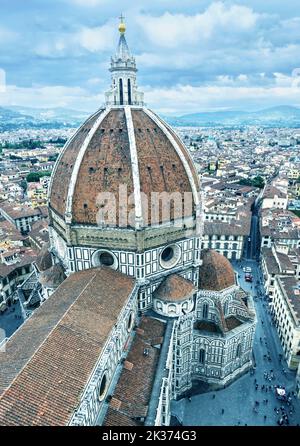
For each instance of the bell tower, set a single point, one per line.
(123, 75)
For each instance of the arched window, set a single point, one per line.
(103, 387)
(129, 92)
(172, 309)
(205, 311)
(185, 306)
(159, 305)
(202, 356)
(238, 351)
(121, 92)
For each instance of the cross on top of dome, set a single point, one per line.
(122, 26)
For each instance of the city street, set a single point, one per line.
(239, 400)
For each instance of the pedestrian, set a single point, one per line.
(214, 396)
(222, 411)
(265, 417)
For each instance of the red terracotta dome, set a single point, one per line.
(216, 272)
(116, 146)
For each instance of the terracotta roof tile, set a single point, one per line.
(134, 386)
(50, 359)
(174, 288)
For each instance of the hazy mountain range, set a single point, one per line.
(17, 117)
(282, 116)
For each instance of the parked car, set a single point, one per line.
(247, 269)
(248, 278)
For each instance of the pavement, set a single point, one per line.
(238, 400)
(11, 319)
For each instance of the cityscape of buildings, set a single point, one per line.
(149, 324)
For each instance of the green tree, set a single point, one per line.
(53, 157)
(24, 185)
(35, 176)
(258, 182)
(255, 182)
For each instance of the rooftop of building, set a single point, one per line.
(8, 232)
(292, 291)
(271, 191)
(24, 256)
(39, 233)
(276, 262)
(71, 328)
(234, 227)
(17, 211)
(131, 397)
(279, 224)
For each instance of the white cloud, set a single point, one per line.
(101, 38)
(7, 35)
(178, 99)
(174, 30)
(51, 48)
(2, 81)
(51, 96)
(242, 77)
(187, 99)
(97, 39)
(95, 81)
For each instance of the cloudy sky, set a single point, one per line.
(192, 55)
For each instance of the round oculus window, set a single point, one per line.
(104, 258)
(170, 256)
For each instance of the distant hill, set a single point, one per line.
(282, 116)
(58, 114)
(17, 117)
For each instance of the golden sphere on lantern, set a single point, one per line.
(122, 28)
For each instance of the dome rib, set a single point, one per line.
(57, 194)
(81, 153)
(164, 127)
(135, 169)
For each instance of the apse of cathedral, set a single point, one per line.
(126, 313)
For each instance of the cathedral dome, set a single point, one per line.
(216, 272)
(128, 146)
(174, 288)
(123, 154)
